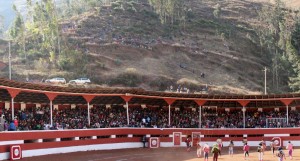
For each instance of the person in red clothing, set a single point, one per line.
(16, 122)
(206, 151)
(246, 149)
(215, 150)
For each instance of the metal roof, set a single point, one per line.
(37, 93)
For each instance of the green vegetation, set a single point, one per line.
(38, 37)
(130, 78)
(280, 40)
(191, 31)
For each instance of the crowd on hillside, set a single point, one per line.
(115, 116)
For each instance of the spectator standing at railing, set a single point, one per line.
(2, 121)
(16, 122)
(12, 126)
(5, 126)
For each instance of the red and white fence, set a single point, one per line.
(34, 143)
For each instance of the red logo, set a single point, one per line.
(277, 141)
(15, 152)
(154, 142)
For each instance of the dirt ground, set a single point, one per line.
(159, 154)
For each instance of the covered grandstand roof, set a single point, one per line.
(40, 93)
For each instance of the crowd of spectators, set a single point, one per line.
(154, 117)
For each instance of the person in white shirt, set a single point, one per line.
(199, 149)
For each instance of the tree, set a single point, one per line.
(18, 25)
(170, 10)
(273, 36)
(295, 40)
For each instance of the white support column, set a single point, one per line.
(287, 115)
(200, 117)
(89, 117)
(12, 109)
(51, 114)
(244, 117)
(127, 113)
(169, 115)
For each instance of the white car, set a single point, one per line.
(80, 81)
(56, 80)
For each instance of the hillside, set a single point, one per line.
(122, 40)
(133, 48)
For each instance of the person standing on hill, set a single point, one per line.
(290, 148)
(215, 150)
(246, 149)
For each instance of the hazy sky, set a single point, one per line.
(7, 12)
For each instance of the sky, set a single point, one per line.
(7, 12)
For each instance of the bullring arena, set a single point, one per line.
(59, 123)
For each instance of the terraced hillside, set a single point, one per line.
(215, 48)
(121, 43)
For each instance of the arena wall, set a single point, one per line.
(35, 143)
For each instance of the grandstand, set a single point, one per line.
(62, 97)
(124, 115)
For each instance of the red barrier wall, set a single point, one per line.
(54, 139)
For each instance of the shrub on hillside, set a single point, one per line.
(117, 6)
(191, 84)
(41, 65)
(130, 78)
(72, 60)
(161, 83)
(149, 14)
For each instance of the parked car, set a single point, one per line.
(56, 80)
(80, 81)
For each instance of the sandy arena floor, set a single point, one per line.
(159, 154)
